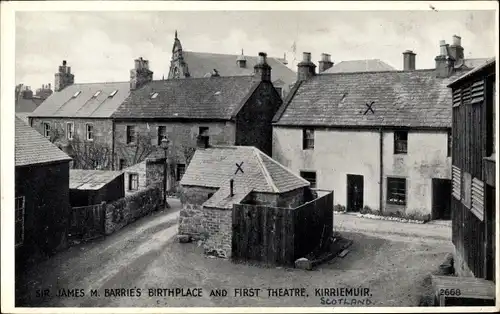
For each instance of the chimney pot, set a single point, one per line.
(262, 58)
(325, 63)
(443, 48)
(457, 40)
(306, 57)
(306, 69)
(64, 62)
(262, 70)
(408, 60)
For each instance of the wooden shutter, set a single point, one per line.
(477, 92)
(467, 189)
(478, 198)
(457, 97)
(466, 95)
(457, 180)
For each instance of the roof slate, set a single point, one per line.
(370, 65)
(32, 148)
(215, 166)
(26, 105)
(62, 103)
(91, 179)
(198, 98)
(400, 99)
(488, 63)
(202, 63)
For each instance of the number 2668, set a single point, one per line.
(449, 292)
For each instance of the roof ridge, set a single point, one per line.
(203, 78)
(230, 54)
(373, 72)
(285, 168)
(95, 83)
(266, 173)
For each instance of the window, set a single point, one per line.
(280, 91)
(19, 224)
(400, 142)
(122, 164)
(70, 128)
(96, 94)
(154, 95)
(396, 191)
(181, 169)
(450, 144)
(113, 93)
(309, 176)
(89, 132)
(162, 133)
(203, 134)
(307, 139)
(130, 134)
(46, 129)
(133, 182)
(76, 94)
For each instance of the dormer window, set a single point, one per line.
(97, 94)
(76, 94)
(154, 95)
(113, 93)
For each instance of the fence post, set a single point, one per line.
(103, 218)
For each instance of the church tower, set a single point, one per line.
(178, 67)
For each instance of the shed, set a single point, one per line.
(90, 187)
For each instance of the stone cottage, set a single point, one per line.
(41, 196)
(203, 64)
(378, 139)
(219, 177)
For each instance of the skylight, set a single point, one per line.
(154, 95)
(113, 93)
(76, 94)
(97, 93)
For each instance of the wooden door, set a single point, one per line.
(354, 192)
(441, 198)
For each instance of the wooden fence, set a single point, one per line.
(87, 222)
(279, 236)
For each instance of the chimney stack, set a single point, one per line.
(140, 75)
(409, 60)
(63, 78)
(231, 187)
(241, 60)
(306, 69)
(325, 63)
(444, 63)
(262, 70)
(456, 50)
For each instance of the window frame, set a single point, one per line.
(133, 178)
(46, 129)
(89, 132)
(161, 136)
(131, 139)
(70, 131)
(397, 142)
(178, 171)
(308, 135)
(307, 178)
(390, 199)
(19, 220)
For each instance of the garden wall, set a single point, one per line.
(128, 209)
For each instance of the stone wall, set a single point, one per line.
(291, 199)
(192, 215)
(130, 208)
(218, 224)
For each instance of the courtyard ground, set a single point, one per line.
(392, 259)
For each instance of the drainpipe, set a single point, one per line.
(381, 177)
(113, 144)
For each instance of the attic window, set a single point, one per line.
(96, 94)
(217, 93)
(113, 93)
(154, 95)
(76, 94)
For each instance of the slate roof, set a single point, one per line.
(370, 65)
(215, 166)
(32, 148)
(488, 63)
(400, 99)
(473, 63)
(201, 63)
(80, 179)
(62, 103)
(197, 98)
(27, 104)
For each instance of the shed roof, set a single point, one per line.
(202, 63)
(488, 64)
(32, 148)
(398, 99)
(196, 98)
(89, 100)
(80, 179)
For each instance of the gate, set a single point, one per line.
(87, 222)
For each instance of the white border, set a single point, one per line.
(7, 54)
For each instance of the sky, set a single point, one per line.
(101, 46)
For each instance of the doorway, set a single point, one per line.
(441, 199)
(354, 192)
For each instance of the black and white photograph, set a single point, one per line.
(211, 156)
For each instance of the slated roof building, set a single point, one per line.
(32, 148)
(369, 65)
(91, 179)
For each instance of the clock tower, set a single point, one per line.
(178, 67)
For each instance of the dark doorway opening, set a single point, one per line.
(354, 192)
(441, 199)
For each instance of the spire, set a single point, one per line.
(175, 34)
